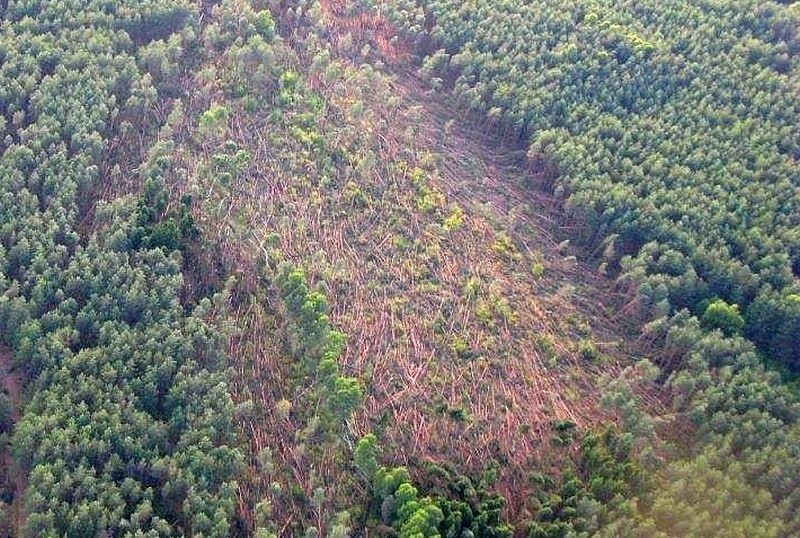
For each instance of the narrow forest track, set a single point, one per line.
(12, 385)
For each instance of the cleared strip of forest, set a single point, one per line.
(472, 326)
(13, 475)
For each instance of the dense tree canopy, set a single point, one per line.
(128, 428)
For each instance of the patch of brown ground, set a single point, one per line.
(12, 386)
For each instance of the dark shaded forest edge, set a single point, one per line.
(331, 268)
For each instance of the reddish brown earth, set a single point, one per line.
(12, 385)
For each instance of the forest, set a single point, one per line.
(403, 268)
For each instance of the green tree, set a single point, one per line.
(721, 315)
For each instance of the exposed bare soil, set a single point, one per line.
(12, 386)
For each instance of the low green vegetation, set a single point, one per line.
(455, 507)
